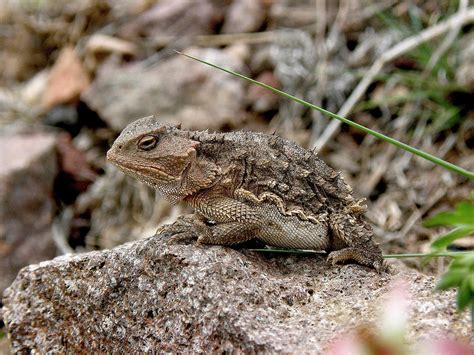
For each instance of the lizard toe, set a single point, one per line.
(381, 266)
(334, 257)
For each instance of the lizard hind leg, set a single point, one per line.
(352, 240)
(229, 233)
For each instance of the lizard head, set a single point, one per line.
(153, 152)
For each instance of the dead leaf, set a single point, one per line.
(67, 79)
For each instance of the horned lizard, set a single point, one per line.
(246, 185)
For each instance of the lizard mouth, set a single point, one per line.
(135, 168)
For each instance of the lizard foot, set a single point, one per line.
(183, 229)
(358, 255)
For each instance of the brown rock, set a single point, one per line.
(100, 47)
(292, 13)
(177, 90)
(75, 173)
(67, 79)
(171, 18)
(26, 203)
(244, 16)
(152, 295)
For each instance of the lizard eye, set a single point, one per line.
(148, 143)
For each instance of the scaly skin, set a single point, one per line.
(246, 185)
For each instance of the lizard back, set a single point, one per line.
(262, 163)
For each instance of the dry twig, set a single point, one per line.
(459, 19)
(448, 41)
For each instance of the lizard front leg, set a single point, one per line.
(189, 226)
(193, 227)
(234, 222)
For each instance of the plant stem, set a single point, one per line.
(422, 255)
(404, 146)
(386, 256)
(289, 251)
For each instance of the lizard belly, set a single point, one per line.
(290, 231)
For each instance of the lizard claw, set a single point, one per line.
(182, 229)
(358, 255)
(186, 228)
(381, 266)
(182, 236)
(334, 257)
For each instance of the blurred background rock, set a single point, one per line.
(74, 73)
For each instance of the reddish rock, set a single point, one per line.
(75, 173)
(29, 168)
(262, 99)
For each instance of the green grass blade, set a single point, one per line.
(420, 153)
(289, 251)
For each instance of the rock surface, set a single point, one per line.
(28, 169)
(177, 90)
(244, 16)
(176, 297)
(171, 18)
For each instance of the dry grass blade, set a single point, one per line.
(459, 19)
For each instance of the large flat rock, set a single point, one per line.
(173, 297)
(176, 90)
